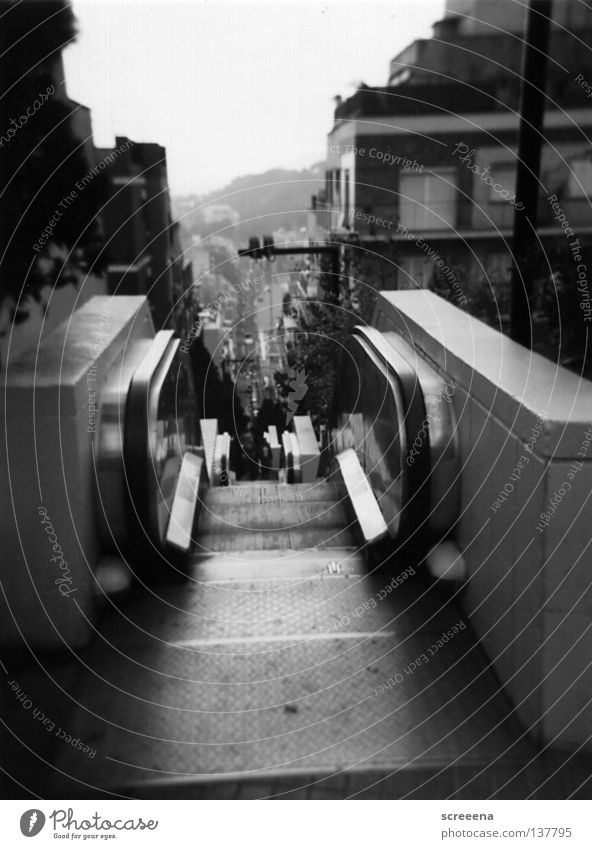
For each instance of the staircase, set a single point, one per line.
(279, 517)
(286, 669)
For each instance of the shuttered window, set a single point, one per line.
(504, 177)
(428, 201)
(580, 180)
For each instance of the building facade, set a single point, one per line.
(141, 240)
(421, 173)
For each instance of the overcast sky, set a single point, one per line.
(231, 88)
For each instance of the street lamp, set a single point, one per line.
(268, 250)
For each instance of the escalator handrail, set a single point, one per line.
(416, 488)
(142, 401)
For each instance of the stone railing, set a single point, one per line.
(525, 525)
(49, 531)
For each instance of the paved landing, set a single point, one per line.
(292, 672)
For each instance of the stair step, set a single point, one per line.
(272, 517)
(242, 493)
(265, 540)
(282, 564)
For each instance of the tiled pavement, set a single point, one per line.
(263, 677)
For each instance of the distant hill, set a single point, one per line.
(264, 202)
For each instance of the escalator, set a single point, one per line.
(285, 663)
(288, 664)
(395, 412)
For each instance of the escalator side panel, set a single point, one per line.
(445, 474)
(379, 407)
(160, 421)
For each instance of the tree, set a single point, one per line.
(560, 303)
(41, 159)
(323, 331)
(368, 273)
(216, 396)
(487, 300)
(324, 325)
(562, 308)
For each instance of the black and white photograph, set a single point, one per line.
(296, 421)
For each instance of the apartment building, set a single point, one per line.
(421, 172)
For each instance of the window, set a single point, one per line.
(329, 186)
(337, 187)
(427, 201)
(580, 179)
(504, 178)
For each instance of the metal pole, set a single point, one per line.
(530, 139)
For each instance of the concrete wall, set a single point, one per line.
(525, 429)
(48, 527)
